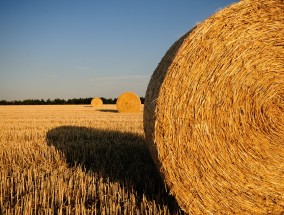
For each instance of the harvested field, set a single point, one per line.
(73, 159)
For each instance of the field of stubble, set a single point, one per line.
(74, 159)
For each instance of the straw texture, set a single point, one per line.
(128, 102)
(213, 114)
(97, 102)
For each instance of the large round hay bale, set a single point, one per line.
(128, 102)
(97, 102)
(213, 114)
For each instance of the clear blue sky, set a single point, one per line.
(88, 48)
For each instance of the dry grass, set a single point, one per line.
(73, 160)
(97, 102)
(128, 102)
(214, 112)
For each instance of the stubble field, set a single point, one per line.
(73, 159)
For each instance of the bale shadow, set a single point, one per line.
(120, 156)
(101, 110)
(108, 110)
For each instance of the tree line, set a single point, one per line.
(58, 101)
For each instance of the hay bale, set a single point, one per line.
(97, 102)
(213, 113)
(128, 102)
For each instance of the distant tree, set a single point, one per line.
(27, 102)
(56, 101)
(87, 100)
(42, 102)
(4, 102)
(69, 101)
(16, 102)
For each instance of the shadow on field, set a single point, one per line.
(108, 110)
(120, 156)
(102, 110)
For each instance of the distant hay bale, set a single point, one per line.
(213, 114)
(97, 102)
(128, 102)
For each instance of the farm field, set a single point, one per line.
(74, 159)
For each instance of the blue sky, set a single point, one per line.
(89, 48)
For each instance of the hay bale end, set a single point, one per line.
(97, 102)
(213, 113)
(128, 102)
